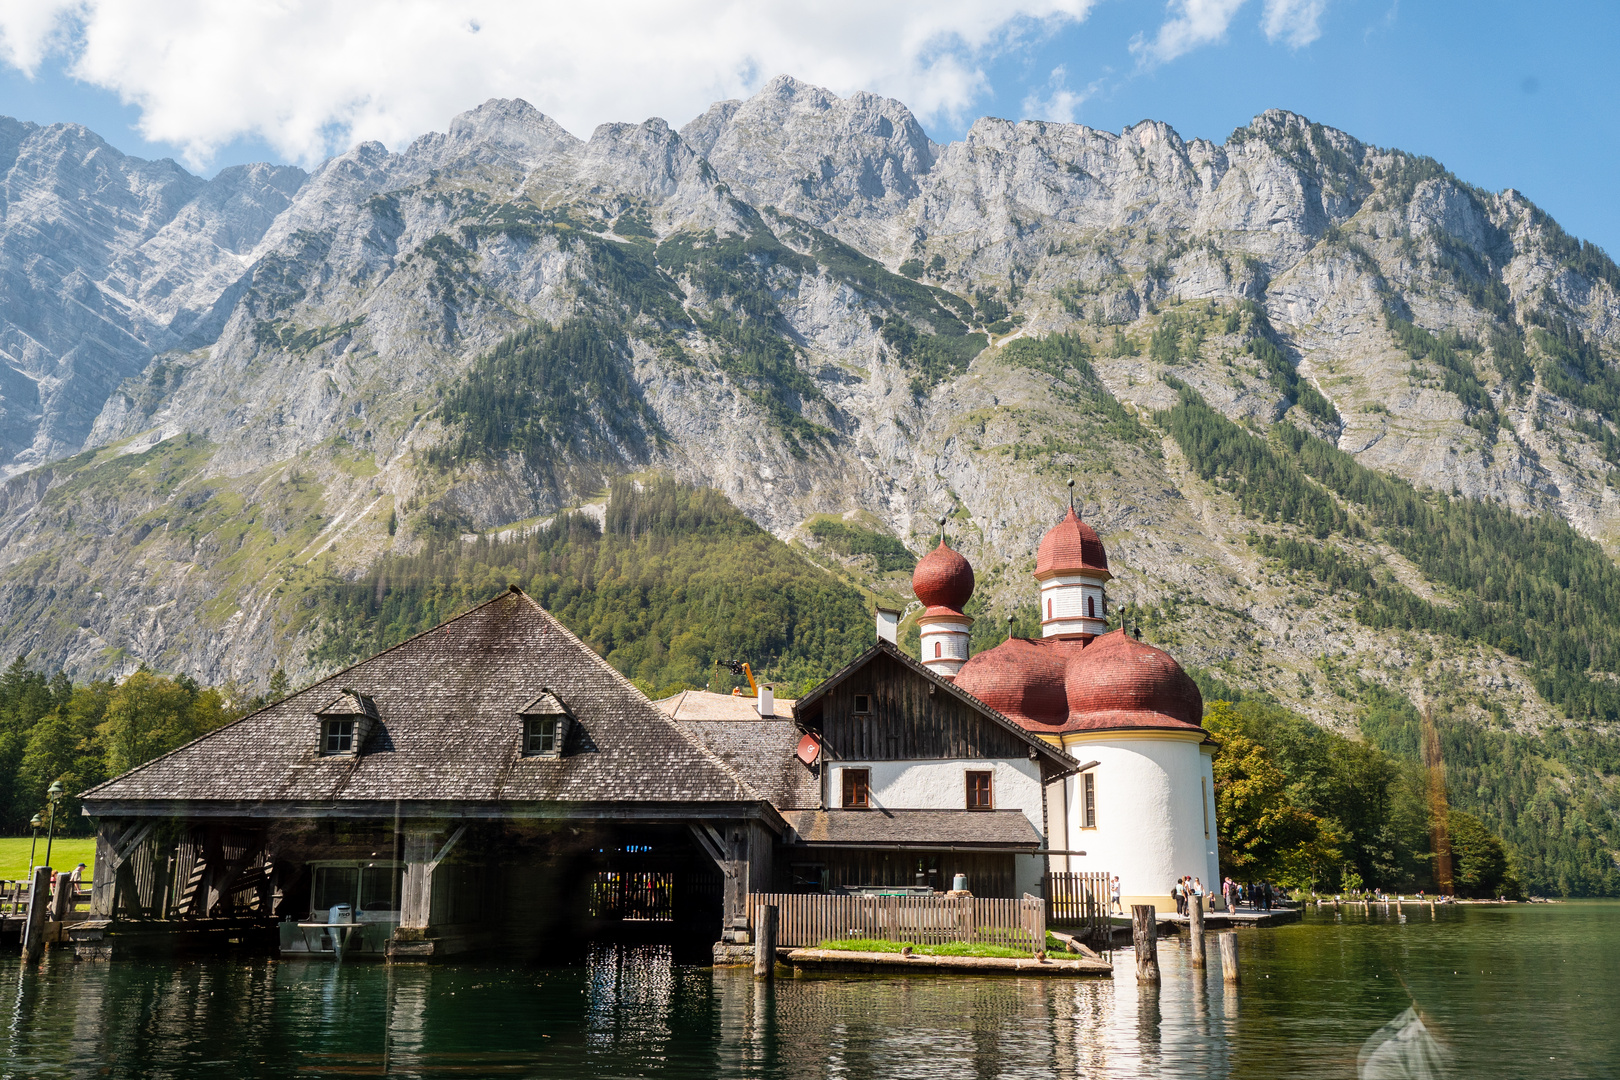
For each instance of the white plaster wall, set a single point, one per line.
(1015, 784)
(1212, 847)
(1029, 873)
(1150, 812)
(952, 639)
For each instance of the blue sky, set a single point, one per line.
(1503, 94)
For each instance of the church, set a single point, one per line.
(1142, 807)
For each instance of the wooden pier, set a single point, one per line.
(834, 961)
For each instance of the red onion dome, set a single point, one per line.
(1021, 679)
(1069, 547)
(1120, 682)
(943, 579)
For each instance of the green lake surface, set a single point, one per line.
(1518, 991)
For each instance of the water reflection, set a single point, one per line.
(1312, 997)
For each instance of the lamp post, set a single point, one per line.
(54, 794)
(36, 823)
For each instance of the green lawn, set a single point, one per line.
(65, 854)
(949, 948)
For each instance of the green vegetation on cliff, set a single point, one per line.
(1529, 586)
(674, 580)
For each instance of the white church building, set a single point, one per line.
(1142, 805)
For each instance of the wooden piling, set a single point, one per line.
(1229, 964)
(62, 898)
(1145, 936)
(765, 923)
(1195, 927)
(33, 935)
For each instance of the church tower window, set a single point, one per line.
(1091, 607)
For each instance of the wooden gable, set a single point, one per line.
(910, 715)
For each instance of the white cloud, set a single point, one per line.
(1298, 22)
(1059, 102)
(1192, 23)
(31, 28)
(311, 76)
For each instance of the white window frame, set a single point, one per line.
(1088, 800)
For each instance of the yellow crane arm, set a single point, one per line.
(740, 667)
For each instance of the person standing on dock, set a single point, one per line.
(1114, 904)
(1179, 891)
(1229, 892)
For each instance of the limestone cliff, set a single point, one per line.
(799, 299)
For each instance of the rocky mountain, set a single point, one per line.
(220, 395)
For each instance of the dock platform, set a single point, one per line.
(837, 961)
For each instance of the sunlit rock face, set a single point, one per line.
(779, 300)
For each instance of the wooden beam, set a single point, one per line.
(433, 864)
(437, 810)
(126, 844)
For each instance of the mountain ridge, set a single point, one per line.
(804, 302)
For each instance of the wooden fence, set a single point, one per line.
(633, 896)
(14, 900)
(1079, 900)
(807, 919)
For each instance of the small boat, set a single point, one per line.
(353, 910)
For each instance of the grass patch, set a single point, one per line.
(65, 854)
(949, 948)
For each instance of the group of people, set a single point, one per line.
(1187, 891)
(1260, 895)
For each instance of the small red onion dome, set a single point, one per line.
(1069, 547)
(943, 579)
(1120, 682)
(1022, 680)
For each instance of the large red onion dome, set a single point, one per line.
(943, 579)
(1022, 680)
(1071, 546)
(1120, 682)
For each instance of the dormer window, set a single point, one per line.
(540, 735)
(346, 721)
(339, 737)
(546, 722)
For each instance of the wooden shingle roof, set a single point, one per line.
(448, 730)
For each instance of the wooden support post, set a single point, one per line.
(1195, 927)
(61, 898)
(423, 854)
(33, 935)
(1229, 964)
(765, 924)
(1145, 936)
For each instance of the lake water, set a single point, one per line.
(1531, 991)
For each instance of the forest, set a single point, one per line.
(81, 734)
(674, 579)
(1312, 809)
(1530, 586)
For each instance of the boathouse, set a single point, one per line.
(493, 783)
(489, 783)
